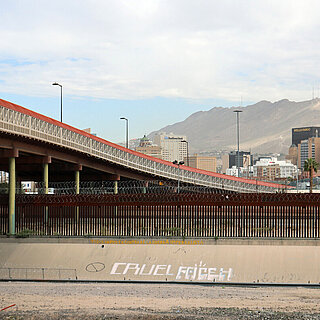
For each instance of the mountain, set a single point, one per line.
(265, 127)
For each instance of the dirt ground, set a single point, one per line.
(34, 300)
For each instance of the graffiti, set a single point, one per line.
(201, 272)
(181, 250)
(95, 267)
(167, 241)
(192, 273)
(155, 270)
(279, 277)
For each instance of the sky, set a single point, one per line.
(155, 62)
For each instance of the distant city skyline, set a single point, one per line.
(155, 62)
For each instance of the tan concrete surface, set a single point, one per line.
(100, 260)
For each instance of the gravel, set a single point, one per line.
(39, 300)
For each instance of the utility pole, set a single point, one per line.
(238, 138)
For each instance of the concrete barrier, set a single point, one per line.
(230, 261)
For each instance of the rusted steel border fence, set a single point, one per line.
(181, 215)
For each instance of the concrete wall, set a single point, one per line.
(234, 261)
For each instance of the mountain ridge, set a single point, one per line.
(265, 127)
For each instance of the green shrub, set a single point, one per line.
(25, 233)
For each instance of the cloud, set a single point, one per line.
(142, 49)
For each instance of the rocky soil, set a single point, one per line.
(35, 300)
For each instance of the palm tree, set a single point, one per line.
(311, 165)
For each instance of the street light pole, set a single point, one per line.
(57, 84)
(187, 151)
(127, 131)
(178, 164)
(238, 134)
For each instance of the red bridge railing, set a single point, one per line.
(17, 122)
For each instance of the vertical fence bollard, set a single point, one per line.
(169, 214)
(12, 196)
(77, 185)
(115, 207)
(46, 189)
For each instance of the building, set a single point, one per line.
(241, 172)
(202, 162)
(233, 171)
(293, 154)
(245, 159)
(173, 147)
(299, 134)
(147, 147)
(270, 172)
(270, 168)
(29, 187)
(307, 149)
(230, 161)
(225, 162)
(88, 130)
(4, 177)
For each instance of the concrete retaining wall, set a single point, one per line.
(234, 261)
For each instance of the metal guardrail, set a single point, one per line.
(37, 274)
(19, 123)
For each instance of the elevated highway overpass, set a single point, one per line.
(39, 147)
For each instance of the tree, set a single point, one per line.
(311, 165)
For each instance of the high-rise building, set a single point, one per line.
(201, 162)
(304, 133)
(172, 147)
(146, 147)
(245, 159)
(307, 149)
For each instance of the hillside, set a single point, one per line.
(264, 127)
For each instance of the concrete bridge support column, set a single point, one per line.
(46, 177)
(46, 189)
(77, 185)
(12, 195)
(116, 187)
(77, 181)
(115, 178)
(12, 154)
(46, 160)
(45, 173)
(78, 168)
